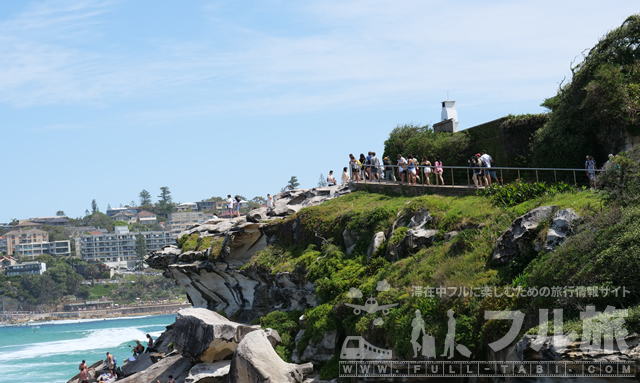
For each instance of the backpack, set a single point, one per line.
(115, 361)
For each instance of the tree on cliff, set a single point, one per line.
(599, 108)
(293, 183)
(322, 181)
(145, 198)
(452, 148)
(60, 213)
(94, 206)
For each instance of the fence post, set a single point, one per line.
(575, 182)
(555, 176)
(537, 175)
(519, 175)
(452, 183)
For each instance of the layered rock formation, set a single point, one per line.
(212, 276)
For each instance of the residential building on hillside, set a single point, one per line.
(26, 268)
(16, 237)
(180, 221)
(146, 218)
(55, 248)
(114, 211)
(187, 206)
(118, 249)
(7, 261)
(3, 245)
(26, 224)
(125, 216)
(53, 221)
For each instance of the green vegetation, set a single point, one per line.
(518, 192)
(599, 107)
(423, 141)
(603, 250)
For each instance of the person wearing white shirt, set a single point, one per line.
(486, 163)
(345, 176)
(331, 180)
(230, 205)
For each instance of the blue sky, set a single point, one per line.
(101, 99)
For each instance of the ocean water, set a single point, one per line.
(51, 351)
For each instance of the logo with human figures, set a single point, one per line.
(357, 348)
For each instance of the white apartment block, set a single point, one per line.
(32, 250)
(118, 249)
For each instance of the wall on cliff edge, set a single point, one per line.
(506, 139)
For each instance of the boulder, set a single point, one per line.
(322, 351)
(350, 239)
(377, 241)
(205, 336)
(273, 336)
(164, 340)
(139, 363)
(256, 361)
(517, 240)
(95, 370)
(161, 259)
(419, 219)
(175, 365)
(562, 225)
(209, 373)
(415, 240)
(258, 215)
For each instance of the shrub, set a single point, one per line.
(518, 192)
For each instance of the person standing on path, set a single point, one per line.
(230, 205)
(590, 165)
(238, 206)
(269, 202)
(439, 171)
(402, 166)
(486, 163)
(388, 170)
(427, 169)
(355, 168)
(375, 167)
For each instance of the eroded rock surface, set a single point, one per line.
(176, 365)
(205, 336)
(215, 372)
(256, 361)
(517, 240)
(562, 225)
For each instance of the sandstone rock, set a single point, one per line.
(258, 215)
(209, 373)
(350, 239)
(517, 239)
(161, 259)
(377, 241)
(273, 336)
(205, 336)
(415, 240)
(141, 363)
(420, 219)
(323, 350)
(175, 365)
(256, 361)
(563, 225)
(162, 343)
(95, 370)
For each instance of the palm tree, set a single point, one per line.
(92, 270)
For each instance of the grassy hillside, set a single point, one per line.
(311, 243)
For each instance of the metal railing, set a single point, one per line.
(463, 176)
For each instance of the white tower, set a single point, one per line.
(449, 112)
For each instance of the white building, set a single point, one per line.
(55, 248)
(118, 249)
(26, 268)
(449, 116)
(181, 221)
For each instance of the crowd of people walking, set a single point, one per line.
(411, 170)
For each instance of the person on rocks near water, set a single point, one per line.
(150, 347)
(171, 380)
(138, 349)
(82, 365)
(84, 375)
(269, 202)
(230, 205)
(111, 363)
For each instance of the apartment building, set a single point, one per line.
(114, 211)
(32, 250)
(180, 221)
(118, 249)
(17, 237)
(146, 218)
(3, 244)
(187, 206)
(26, 268)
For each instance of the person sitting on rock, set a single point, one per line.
(138, 349)
(331, 180)
(150, 347)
